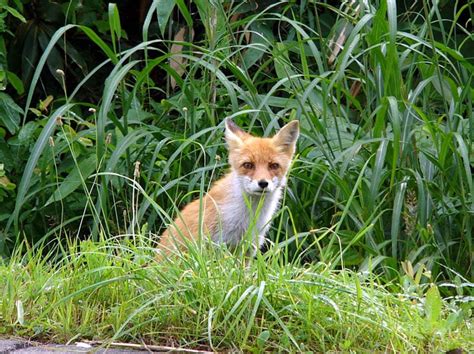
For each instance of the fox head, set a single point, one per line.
(261, 164)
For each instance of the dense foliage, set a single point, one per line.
(110, 119)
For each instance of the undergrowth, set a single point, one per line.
(377, 219)
(384, 98)
(212, 299)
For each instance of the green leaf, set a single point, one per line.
(456, 55)
(57, 35)
(262, 36)
(74, 180)
(35, 154)
(16, 14)
(16, 82)
(183, 7)
(282, 63)
(114, 23)
(9, 113)
(263, 338)
(433, 305)
(30, 52)
(55, 60)
(111, 84)
(164, 8)
(69, 50)
(396, 215)
(115, 20)
(27, 132)
(441, 85)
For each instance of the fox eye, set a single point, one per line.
(248, 165)
(274, 166)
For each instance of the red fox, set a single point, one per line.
(245, 198)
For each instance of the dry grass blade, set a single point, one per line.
(337, 44)
(177, 61)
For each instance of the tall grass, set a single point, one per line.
(114, 290)
(380, 196)
(384, 167)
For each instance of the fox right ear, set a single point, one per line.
(287, 136)
(233, 134)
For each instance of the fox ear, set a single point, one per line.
(287, 136)
(234, 135)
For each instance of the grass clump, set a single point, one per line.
(212, 299)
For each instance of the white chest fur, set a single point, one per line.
(244, 215)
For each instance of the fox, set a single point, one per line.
(247, 197)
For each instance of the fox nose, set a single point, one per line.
(263, 184)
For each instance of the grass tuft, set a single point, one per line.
(219, 301)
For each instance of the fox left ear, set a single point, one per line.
(234, 135)
(287, 136)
